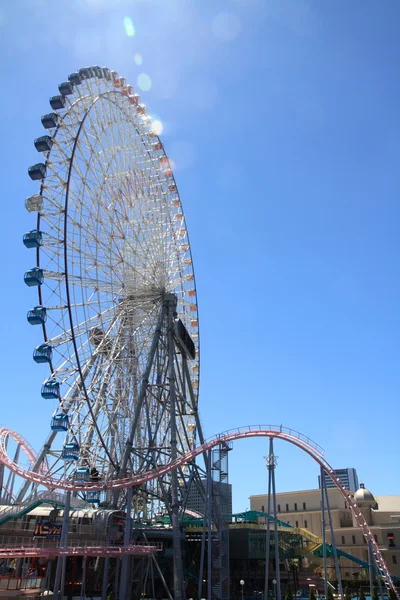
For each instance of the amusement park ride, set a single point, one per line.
(117, 307)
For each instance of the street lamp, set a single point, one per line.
(242, 584)
(274, 584)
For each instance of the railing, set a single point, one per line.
(20, 583)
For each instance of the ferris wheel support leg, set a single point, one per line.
(138, 410)
(105, 578)
(63, 543)
(11, 477)
(323, 525)
(176, 530)
(127, 537)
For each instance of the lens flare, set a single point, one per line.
(144, 82)
(138, 58)
(157, 125)
(129, 27)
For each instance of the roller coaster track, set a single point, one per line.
(52, 498)
(270, 431)
(110, 551)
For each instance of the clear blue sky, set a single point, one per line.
(283, 120)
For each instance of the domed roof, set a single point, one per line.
(364, 496)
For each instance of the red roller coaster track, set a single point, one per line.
(110, 551)
(283, 433)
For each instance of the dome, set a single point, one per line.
(364, 496)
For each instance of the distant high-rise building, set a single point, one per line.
(348, 478)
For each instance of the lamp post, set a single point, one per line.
(242, 584)
(274, 584)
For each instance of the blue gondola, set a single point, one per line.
(81, 474)
(33, 239)
(34, 277)
(75, 78)
(98, 71)
(57, 102)
(38, 171)
(92, 497)
(85, 73)
(70, 451)
(106, 72)
(43, 143)
(43, 354)
(50, 121)
(60, 422)
(37, 315)
(50, 389)
(66, 88)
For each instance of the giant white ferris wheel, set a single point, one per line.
(116, 297)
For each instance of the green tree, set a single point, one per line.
(288, 595)
(393, 595)
(347, 595)
(361, 595)
(312, 595)
(329, 595)
(375, 595)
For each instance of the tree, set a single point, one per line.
(312, 595)
(361, 595)
(288, 595)
(375, 595)
(329, 595)
(347, 595)
(393, 595)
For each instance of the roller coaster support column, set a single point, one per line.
(370, 567)
(323, 524)
(374, 567)
(267, 539)
(127, 537)
(324, 491)
(271, 464)
(63, 543)
(209, 526)
(176, 530)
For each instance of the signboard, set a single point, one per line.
(44, 529)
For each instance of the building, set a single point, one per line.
(348, 478)
(303, 509)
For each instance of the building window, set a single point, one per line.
(343, 540)
(287, 507)
(345, 504)
(390, 538)
(394, 559)
(304, 506)
(305, 524)
(262, 508)
(376, 538)
(279, 508)
(295, 506)
(297, 523)
(353, 538)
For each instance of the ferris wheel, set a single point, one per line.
(116, 297)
